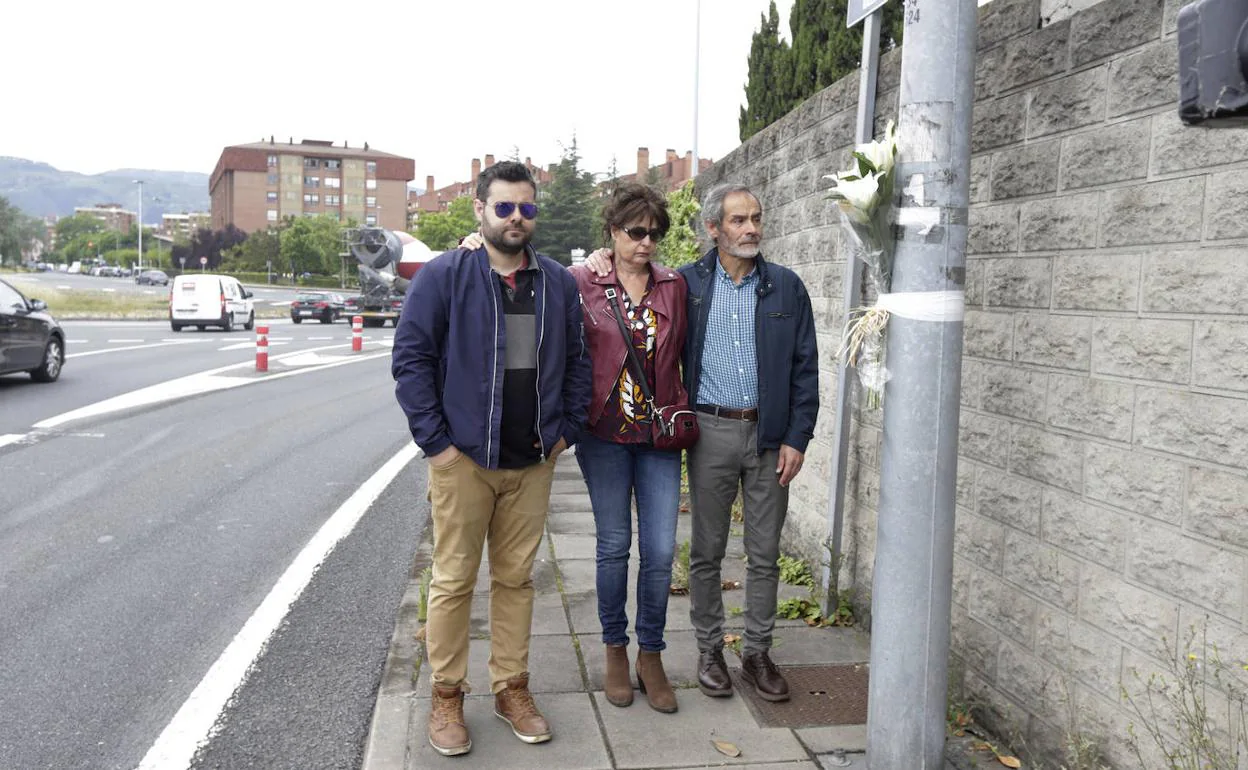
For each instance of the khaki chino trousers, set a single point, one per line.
(472, 507)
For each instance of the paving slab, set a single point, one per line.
(570, 523)
(578, 575)
(549, 615)
(566, 484)
(575, 502)
(574, 546)
(812, 645)
(825, 740)
(640, 737)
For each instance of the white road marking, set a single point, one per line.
(193, 725)
(11, 438)
(196, 384)
(132, 347)
(310, 339)
(249, 345)
(111, 342)
(107, 289)
(75, 342)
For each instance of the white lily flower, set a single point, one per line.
(860, 194)
(882, 154)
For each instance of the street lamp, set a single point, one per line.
(139, 182)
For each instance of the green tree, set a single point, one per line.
(823, 51)
(569, 209)
(206, 243)
(10, 235)
(769, 79)
(310, 244)
(442, 230)
(680, 245)
(256, 253)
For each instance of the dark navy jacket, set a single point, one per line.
(449, 356)
(784, 338)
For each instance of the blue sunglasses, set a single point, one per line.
(503, 209)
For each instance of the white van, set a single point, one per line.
(203, 299)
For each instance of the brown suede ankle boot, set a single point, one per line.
(652, 680)
(617, 685)
(448, 734)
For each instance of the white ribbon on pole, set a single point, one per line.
(935, 306)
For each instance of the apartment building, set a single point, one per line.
(255, 186)
(112, 215)
(185, 224)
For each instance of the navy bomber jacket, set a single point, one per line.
(449, 356)
(784, 338)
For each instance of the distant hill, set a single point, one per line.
(39, 189)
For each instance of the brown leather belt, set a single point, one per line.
(748, 415)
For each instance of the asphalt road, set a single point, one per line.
(275, 294)
(136, 545)
(107, 358)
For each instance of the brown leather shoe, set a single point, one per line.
(448, 734)
(758, 670)
(652, 680)
(515, 706)
(713, 679)
(618, 687)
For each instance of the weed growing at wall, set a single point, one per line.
(1194, 712)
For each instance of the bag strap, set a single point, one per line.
(639, 371)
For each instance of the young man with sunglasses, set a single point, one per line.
(493, 375)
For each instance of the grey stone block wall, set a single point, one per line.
(1103, 475)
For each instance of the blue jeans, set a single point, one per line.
(614, 473)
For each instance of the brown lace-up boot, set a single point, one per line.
(618, 687)
(652, 680)
(514, 705)
(448, 734)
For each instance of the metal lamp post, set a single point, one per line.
(139, 182)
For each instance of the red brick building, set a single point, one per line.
(438, 198)
(255, 186)
(668, 175)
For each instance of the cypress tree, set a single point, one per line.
(768, 85)
(823, 51)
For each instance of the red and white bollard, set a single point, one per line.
(262, 348)
(357, 333)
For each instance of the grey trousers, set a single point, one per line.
(724, 457)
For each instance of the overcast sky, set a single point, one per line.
(441, 82)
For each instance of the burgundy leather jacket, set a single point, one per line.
(607, 352)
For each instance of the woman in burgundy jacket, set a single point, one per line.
(616, 453)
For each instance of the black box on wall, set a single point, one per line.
(1213, 62)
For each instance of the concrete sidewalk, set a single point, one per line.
(566, 668)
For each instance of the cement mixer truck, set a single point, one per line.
(387, 262)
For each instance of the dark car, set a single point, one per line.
(322, 306)
(30, 339)
(152, 277)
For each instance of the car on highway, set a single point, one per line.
(325, 307)
(31, 340)
(205, 299)
(152, 277)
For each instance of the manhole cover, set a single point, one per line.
(818, 695)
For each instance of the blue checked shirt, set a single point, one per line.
(729, 375)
